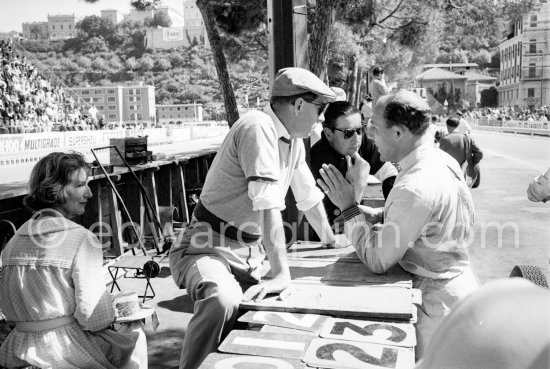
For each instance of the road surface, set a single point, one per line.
(510, 229)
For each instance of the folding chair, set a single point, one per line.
(143, 267)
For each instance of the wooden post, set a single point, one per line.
(287, 47)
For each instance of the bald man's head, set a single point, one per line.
(404, 108)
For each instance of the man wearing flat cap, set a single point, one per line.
(238, 219)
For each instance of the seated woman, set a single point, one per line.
(52, 284)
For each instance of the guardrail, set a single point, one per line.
(513, 126)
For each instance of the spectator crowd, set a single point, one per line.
(29, 103)
(540, 114)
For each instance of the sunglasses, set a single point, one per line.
(321, 107)
(348, 133)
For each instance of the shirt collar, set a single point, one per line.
(414, 156)
(282, 132)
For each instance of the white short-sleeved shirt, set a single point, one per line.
(253, 170)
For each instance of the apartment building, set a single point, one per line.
(121, 104)
(525, 60)
(179, 113)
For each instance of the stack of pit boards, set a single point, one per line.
(338, 315)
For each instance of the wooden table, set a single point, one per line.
(338, 315)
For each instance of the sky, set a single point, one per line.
(15, 12)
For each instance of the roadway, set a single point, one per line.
(510, 162)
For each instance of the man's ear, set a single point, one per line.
(399, 132)
(298, 106)
(328, 132)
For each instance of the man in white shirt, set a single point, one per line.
(366, 110)
(238, 219)
(463, 126)
(378, 85)
(428, 216)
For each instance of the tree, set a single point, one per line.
(131, 63)
(219, 60)
(94, 45)
(99, 64)
(84, 62)
(489, 98)
(146, 63)
(142, 4)
(94, 26)
(161, 19)
(162, 65)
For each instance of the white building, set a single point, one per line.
(58, 26)
(191, 14)
(61, 26)
(179, 113)
(525, 60)
(112, 15)
(121, 104)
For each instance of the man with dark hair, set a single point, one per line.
(378, 85)
(428, 216)
(238, 219)
(455, 143)
(344, 135)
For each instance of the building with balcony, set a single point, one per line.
(179, 113)
(525, 60)
(120, 104)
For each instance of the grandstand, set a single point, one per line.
(31, 103)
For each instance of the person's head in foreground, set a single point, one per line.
(503, 325)
(299, 99)
(399, 124)
(59, 181)
(343, 128)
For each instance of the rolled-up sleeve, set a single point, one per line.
(266, 195)
(306, 193)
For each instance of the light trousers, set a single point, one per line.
(439, 297)
(217, 295)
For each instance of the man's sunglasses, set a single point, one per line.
(348, 133)
(321, 107)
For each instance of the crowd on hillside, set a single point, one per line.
(30, 103)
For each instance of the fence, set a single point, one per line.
(514, 126)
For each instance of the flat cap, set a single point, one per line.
(295, 81)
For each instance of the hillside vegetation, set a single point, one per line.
(105, 55)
